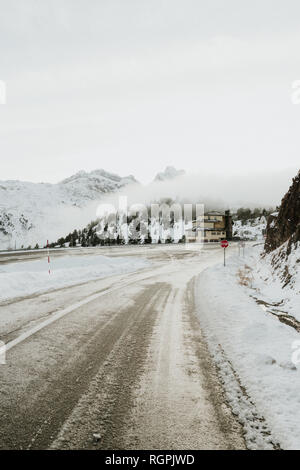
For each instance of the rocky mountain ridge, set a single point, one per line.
(284, 225)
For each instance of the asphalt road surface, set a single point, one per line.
(116, 363)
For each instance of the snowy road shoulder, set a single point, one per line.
(253, 351)
(31, 277)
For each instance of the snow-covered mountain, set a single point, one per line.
(251, 230)
(31, 213)
(169, 174)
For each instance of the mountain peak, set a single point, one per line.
(99, 175)
(169, 174)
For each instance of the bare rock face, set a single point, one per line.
(285, 225)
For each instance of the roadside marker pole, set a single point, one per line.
(48, 253)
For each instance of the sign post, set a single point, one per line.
(224, 244)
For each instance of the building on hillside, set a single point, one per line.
(214, 227)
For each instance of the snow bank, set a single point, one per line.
(26, 278)
(276, 278)
(253, 351)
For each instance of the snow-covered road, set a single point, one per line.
(116, 362)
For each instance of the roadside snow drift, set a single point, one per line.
(30, 277)
(255, 352)
(276, 278)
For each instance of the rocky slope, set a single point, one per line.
(284, 226)
(282, 245)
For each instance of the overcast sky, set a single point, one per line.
(134, 85)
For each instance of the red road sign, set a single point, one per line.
(224, 243)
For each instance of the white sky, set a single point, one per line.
(132, 86)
